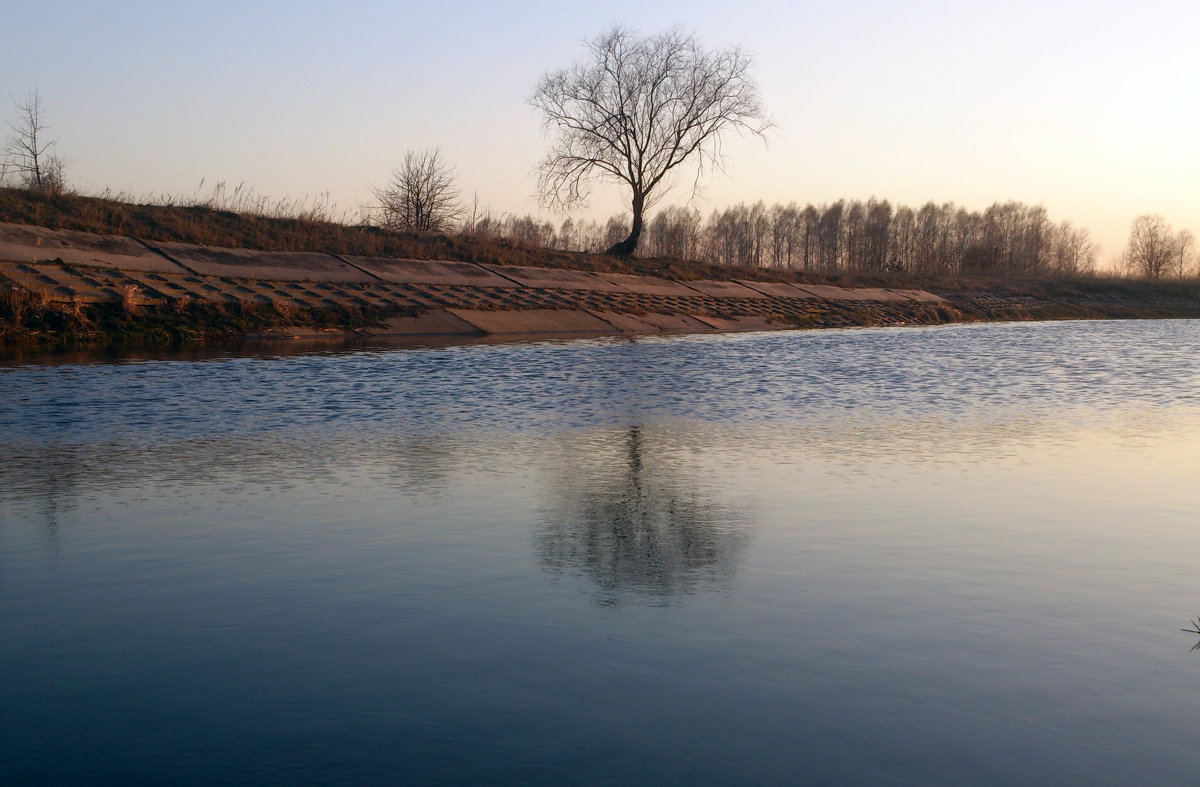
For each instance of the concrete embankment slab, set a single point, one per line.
(625, 323)
(399, 271)
(66, 284)
(921, 296)
(674, 323)
(201, 288)
(776, 289)
(548, 321)
(219, 290)
(651, 322)
(747, 322)
(268, 265)
(832, 293)
(20, 243)
(647, 285)
(436, 322)
(724, 289)
(882, 295)
(554, 278)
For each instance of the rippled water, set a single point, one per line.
(959, 554)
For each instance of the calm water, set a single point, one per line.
(955, 555)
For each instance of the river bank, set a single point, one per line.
(66, 287)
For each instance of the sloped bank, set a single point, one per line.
(63, 287)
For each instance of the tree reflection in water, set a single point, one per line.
(49, 479)
(634, 523)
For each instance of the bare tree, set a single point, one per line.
(1183, 254)
(638, 109)
(421, 195)
(1151, 247)
(614, 230)
(875, 246)
(1072, 250)
(28, 153)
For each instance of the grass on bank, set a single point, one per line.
(241, 220)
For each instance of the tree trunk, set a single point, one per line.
(629, 245)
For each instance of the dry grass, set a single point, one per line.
(240, 218)
(16, 304)
(130, 294)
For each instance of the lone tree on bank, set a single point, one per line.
(29, 153)
(637, 109)
(421, 195)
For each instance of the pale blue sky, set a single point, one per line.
(1090, 108)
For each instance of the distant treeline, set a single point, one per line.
(847, 235)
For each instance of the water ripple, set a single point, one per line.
(968, 371)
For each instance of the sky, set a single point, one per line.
(1091, 109)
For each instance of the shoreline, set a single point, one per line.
(64, 288)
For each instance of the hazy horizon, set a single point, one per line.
(1087, 109)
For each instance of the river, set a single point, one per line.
(957, 554)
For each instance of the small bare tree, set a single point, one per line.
(1151, 247)
(28, 154)
(637, 110)
(421, 195)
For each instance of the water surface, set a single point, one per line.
(958, 554)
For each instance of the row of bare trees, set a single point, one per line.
(851, 235)
(847, 235)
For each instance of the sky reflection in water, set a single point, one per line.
(909, 555)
